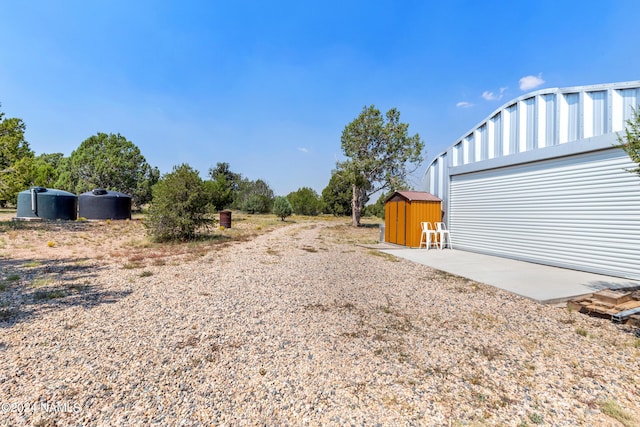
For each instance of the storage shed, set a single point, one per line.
(403, 213)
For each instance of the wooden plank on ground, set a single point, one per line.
(612, 296)
(628, 305)
(607, 304)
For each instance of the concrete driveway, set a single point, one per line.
(538, 282)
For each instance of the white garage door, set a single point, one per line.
(580, 212)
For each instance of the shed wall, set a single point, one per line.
(403, 218)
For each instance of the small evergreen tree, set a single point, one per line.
(281, 207)
(223, 185)
(179, 206)
(253, 197)
(336, 196)
(16, 159)
(377, 209)
(380, 154)
(630, 142)
(305, 201)
(46, 169)
(108, 161)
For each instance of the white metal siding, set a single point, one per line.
(497, 136)
(549, 106)
(513, 129)
(529, 131)
(599, 111)
(580, 212)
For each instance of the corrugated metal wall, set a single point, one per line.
(580, 212)
(403, 218)
(394, 231)
(531, 133)
(417, 212)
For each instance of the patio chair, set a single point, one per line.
(443, 235)
(428, 235)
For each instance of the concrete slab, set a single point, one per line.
(538, 282)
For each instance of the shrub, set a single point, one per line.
(256, 203)
(179, 206)
(253, 197)
(282, 207)
(305, 201)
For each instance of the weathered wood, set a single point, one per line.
(609, 304)
(612, 296)
(575, 305)
(628, 305)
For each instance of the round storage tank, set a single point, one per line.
(104, 204)
(46, 203)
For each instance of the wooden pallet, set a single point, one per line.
(609, 303)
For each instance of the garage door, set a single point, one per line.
(580, 212)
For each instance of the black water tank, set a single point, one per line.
(104, 204)
(46, 203)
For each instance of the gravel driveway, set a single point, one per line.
(300, 326)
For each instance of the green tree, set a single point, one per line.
(16, 159)
(224, 169)
(111, 162)
(179, 206)
(46, 169)
(254, 196)
(223, 186)
(305, 201)
(281, 207)
(630, 142)
(336, 196)
(377, 209)
(380, 155)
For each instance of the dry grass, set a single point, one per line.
(611, 408)
(125, 243)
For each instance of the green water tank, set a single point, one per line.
(46, 203)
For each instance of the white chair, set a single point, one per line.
(442, 235)
(428, 235)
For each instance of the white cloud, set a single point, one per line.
(531, 82)
(490, 96)
(464, 104)
(303, 150)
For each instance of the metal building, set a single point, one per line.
(540, 180)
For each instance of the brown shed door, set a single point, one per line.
(391, 220)
(395, 220)
(401, 221)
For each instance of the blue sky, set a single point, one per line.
(269, 86)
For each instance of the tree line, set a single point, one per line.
(378, 149)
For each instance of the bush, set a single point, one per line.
(305, 201)
(179, 206)
(256, 203)
(282, 207)
(253, 197)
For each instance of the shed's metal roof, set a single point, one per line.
(411, 196)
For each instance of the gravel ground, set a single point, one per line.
(299, 326)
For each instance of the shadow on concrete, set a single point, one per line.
(603, 284)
